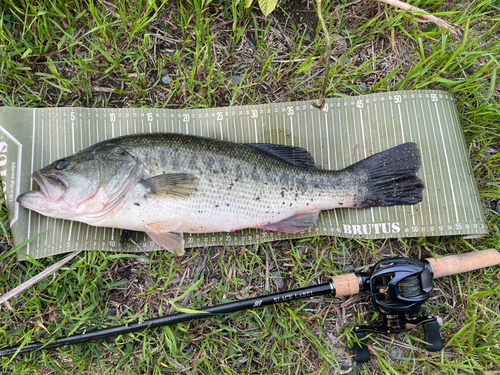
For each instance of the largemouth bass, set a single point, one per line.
(170, 184)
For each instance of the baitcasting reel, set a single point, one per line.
(399, 287)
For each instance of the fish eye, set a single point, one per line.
(61, 164)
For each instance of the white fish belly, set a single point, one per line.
(211, 210)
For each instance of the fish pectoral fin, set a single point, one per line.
(171, 185)
(171, 241)
(289, 154)
(293, 224)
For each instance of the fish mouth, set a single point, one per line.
(51, 186)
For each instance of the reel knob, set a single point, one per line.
(361, 353)
(432, 336)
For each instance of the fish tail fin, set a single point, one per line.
(391, 177)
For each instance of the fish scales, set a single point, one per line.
(242, 186)
(169, 184)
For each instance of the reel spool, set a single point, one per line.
(398, 287)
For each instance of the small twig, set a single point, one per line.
(337, 308)
(295, 60)
(37, 278)
(266, 286)
(352, 3)
(438, 21)
(196, 275)
(364, 268)
(328, 53)
(178, 290)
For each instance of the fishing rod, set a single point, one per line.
(398, 287)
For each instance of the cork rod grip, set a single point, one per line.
(346, 285)
(454, 264)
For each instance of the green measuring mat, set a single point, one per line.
(345, 131)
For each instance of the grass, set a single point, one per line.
(113, 54)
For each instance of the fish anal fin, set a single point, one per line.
(171, 185)
(171, 241)
(293, 155)
(294, 224)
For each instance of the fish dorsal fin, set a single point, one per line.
(294, 224)
(171, 185)
(289, 154)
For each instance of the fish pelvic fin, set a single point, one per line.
(171, 241)
(164, 235)
(171, 185)
(391, 177)
(294, 224)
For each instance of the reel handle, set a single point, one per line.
(361, 353)
(432, 336)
